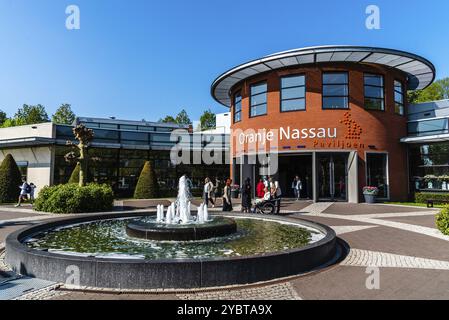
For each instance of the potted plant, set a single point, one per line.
(235, 190)
(370, 194)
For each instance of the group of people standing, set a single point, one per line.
(266, 189)
(211, 192)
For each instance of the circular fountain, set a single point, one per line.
(170, 248)
(178, 224)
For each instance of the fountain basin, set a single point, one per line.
(218, 227)
(132, 273)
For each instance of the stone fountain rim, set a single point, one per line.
(15, 240)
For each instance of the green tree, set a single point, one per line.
(168, 119)
(147, 186)
(183, 118)
(3, 118)
(436, 91)
(208, 120)
(30, 115)
(64, 115)
(444, 83)
(75, 176)
(10, 180)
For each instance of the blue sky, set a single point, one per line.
(138, 59)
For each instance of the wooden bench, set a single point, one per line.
(431, 202)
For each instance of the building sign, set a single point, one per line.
(316, 137)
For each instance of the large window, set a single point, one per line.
(377, 173)
(374, 92)
(293, 93)
(237, 107)
(428, 127)
(429, 165)
(258, 99)
(335, 90)
(398, 98)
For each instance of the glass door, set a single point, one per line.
(332, 177)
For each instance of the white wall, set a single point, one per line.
(42, 130)
(222, 124)
(40, 160)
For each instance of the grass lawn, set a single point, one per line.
(423, 205)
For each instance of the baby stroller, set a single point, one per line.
(265, 206)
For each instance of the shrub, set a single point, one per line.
(147, 186)
(422, 197)
(75, 177)
(10, 180)
(442, 220)
(71, 198)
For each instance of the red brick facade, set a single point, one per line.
(358, 128)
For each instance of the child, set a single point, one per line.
(32, 187)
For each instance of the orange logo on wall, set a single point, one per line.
(354, 129)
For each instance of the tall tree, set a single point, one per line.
(444, 83)
(208, 120)
(29, 114)
(183, 118)
(64, 115)
(168, 119)
(3, 117)
(436, 91)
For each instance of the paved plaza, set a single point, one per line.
(411, 255)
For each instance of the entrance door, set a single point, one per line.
(332, 177)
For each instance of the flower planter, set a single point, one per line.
(235, 194)
(370, 198)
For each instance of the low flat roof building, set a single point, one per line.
(118, 153)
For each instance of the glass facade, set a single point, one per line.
(377, 173)
(428, 127)
(258, 99)
(293, 93)
(398, 98)
(374, 92)
(116, 157)
(429, 165)
(335, 90)
(237, 107)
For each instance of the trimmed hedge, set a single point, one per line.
(71, 198)
(75, 177)
(10, 180)
(442, 221)
(147, 186)
(422, 197)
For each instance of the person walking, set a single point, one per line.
(24, 190)
(217, 187)
(227, 203)
(246, 196)
(298, 188)
(294, 185)
(260, 189)
(208, 189)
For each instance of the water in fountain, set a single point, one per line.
(179, 212)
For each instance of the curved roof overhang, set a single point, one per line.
(420, 71)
